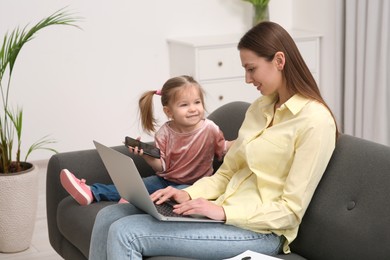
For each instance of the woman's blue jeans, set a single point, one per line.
(109, 192)
(122, 231)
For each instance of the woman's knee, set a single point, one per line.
(117, 211)
(103, 216)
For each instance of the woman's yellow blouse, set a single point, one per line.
(270, 174)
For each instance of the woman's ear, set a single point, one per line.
(279, 60)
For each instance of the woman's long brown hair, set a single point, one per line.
(266, 39)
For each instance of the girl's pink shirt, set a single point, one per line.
(186, 157)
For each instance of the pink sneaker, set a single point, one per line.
(122, 200)
(77, 188)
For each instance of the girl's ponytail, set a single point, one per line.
(145, 103)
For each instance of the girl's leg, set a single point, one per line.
(103, 221)
(106, 192)
(138, 235)
(175, 185)
(154, 183)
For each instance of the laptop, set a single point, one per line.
(130, 186)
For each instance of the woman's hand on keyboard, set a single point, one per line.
(200, 206)
(163, 195)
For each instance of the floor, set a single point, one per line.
(40, 248)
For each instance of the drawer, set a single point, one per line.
(219, 63)
(220, 93)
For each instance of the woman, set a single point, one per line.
(266, 181)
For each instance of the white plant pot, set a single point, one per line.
(18, 209)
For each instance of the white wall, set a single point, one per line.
(80, 85)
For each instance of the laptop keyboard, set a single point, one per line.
(166, 209)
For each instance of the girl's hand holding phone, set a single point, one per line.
(141, 147)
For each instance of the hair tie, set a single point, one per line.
(158, 92)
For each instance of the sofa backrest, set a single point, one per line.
(229, 118)
(349, 215)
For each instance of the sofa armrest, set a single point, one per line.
(84, 164)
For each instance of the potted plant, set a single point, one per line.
(260, 10)
(19, 179)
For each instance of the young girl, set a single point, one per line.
(188, 143)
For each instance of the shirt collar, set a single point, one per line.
(296, 103)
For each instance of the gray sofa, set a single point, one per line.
(348, 217)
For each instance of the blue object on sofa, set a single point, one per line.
(348, 217)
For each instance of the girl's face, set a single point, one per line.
(265, 75)
(186, 109)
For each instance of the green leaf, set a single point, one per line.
(41, 145)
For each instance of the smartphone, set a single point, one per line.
(148, 149)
